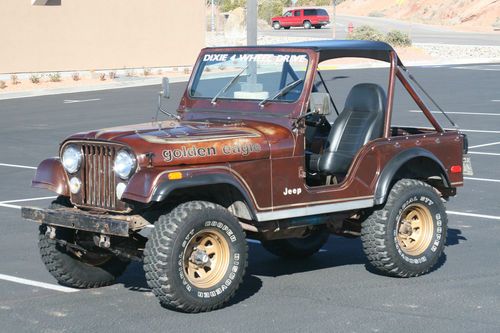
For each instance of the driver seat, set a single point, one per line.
(361, 121)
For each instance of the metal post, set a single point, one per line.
(334, 19)
(251, 22)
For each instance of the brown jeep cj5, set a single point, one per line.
(251, 153)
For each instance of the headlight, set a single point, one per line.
(125, 164)
(71, 159)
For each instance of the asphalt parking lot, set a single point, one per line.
(335, 290)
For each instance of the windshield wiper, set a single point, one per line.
(283, 91)
(228, 85)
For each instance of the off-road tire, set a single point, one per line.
(67, 268)
(307, 24)
(380, 234)
(298, 247)
(276, 25)
(168, 255)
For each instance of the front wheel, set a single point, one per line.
(406, 237)
(196, 257)
(276, 25)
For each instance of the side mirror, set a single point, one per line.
(319, 103)
(165, 87)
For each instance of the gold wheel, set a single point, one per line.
(206, 258)
(415, 229)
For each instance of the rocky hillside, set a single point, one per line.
(469, 14)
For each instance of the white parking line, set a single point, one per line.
(490, 217)
(37, 284)
(10, 206)
(7, 203)
(485, 145)
(495, 100)
(70, 101)
(17, 166)
(483, 153)
(464, 113)
(483, 179)
(29, 199)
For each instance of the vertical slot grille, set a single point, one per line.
(99, 188)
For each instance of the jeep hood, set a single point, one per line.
(194, 142)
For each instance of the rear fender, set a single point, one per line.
(50, 175)
(395, 164)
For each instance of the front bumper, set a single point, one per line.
(114, 225)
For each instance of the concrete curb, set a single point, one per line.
(157, 80)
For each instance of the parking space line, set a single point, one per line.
(483, 179)
(490, 217)
(37, 284)
(17, 166)
(29, 199)
(485, 145)
(464, 113)
(483, 153)
(70, 101)
(10, 206)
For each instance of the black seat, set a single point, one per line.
(362, 120)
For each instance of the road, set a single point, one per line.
(334, 291)
(420, 33)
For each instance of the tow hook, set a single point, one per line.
(103, 241)
(50, 232)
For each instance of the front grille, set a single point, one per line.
(99, 180)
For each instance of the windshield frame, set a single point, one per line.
(251, 105)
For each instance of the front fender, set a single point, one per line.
(50, 175)
(153, 185)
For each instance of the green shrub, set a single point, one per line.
(14, 79)
(398, 38)
(313, 3)
(376, 13)
(269, 8)
(228, 5)
(55, 77)
(497, 23)
(365, 32)
(34, 78)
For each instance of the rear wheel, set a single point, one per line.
(298, 247)
(276, 25)
(317, 27)
(307, 25)
(406, 237)
(81, 265)
(286, 28)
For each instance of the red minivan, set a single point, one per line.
(306, 18)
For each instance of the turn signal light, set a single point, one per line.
(175, 175)
(456, 169)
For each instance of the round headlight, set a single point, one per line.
(125, 164)
(71, 159)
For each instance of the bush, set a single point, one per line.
(376, 13)
(270, 8)
(497, 23)
(365, 32)
(34, 78)
(112, 75)
(2, 84)
(75, 76)
(55, 77)
(313, 3)
(146, 71)
(228, 5)
(398, 38)
(14, 79)
(102, 76)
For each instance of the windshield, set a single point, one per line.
(249, 76)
